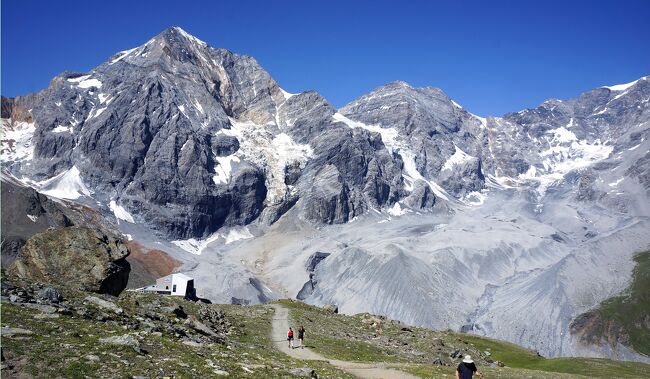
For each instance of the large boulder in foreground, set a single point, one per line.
(76, 257)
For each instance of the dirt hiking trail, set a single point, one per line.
(279, 329)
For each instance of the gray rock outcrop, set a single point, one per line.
(77, 257)
(25, 212)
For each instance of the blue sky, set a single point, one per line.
(492, 57)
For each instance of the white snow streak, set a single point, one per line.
(121, 55)
(120, 212)
(197, 247)
(287, 95)
(621, 87)
(223, 170)
(561, 135)
(62, 129)
(458, 158)
(198, 106)
(66, 185)
(182, 109)
(88, 83)
(397, 210)
(95, 113)
(79, 79)
(237, 234)
(104, 98)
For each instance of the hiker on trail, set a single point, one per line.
(466, 369)
(301, 337)
(290, 338)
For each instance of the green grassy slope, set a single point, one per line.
(517, 357)
(64, 346)
(631, 310)
(623, 319)
(68, 346)
(369, 338)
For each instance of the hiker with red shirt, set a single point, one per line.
(290, 338)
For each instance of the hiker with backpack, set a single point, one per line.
(290, 338)
(301, 336)
(466, 369)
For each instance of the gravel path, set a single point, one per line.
(361, 370)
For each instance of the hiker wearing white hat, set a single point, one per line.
(466, 369)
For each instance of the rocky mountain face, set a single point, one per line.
(425, 212)
(436, 138)
(190, 138)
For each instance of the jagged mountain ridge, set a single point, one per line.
(189, 141)
(192, 118)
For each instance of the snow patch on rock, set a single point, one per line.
(223, 171)
(104, 98)
(17, 141)
(197, 246)
(62, 129)
(482, 120)
(458, 158)
(198, 106)
(563, 157)
(120, 212)
(287, 95)
(66, 185)
(236, 234)
(621, 87)
(563, 135)
(397, 210)
(121, 55)
(270, 150)
(85, 82)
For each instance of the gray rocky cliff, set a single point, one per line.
(433, 126)
(155, 129)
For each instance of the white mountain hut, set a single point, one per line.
(174, 284)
